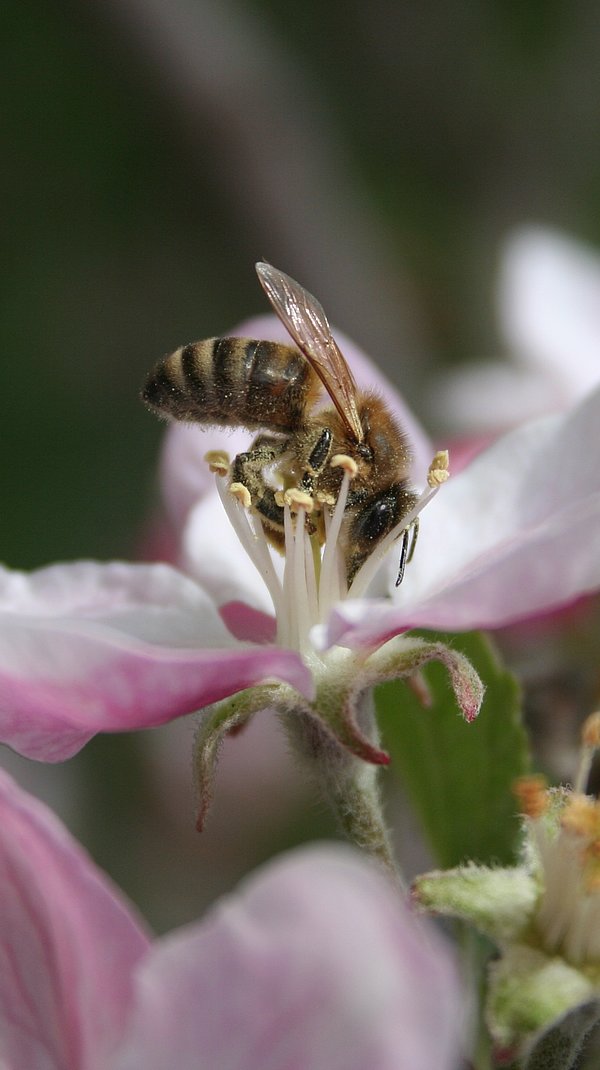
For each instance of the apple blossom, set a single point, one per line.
(544, 915)
(314, 963)
(548, 304)
(90, 647)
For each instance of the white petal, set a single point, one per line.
(516, 532)
(489, 397)
(213, 554)
(549, 307)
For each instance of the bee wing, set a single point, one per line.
(304, 319)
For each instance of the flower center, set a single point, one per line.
(314, 573)
(565, 829)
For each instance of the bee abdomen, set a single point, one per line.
(232, 382)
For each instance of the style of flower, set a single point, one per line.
(544, 915)
(548, 304)
(313, 963)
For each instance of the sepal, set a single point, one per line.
(530, 993)
(499, 902)
(218, 721)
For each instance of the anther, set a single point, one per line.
(439, 469)
(242, 494)
(590, 732)
(581, 817)
(342, 460)
(531, 792)
(298, 499)
(590, 740)
(218, 462)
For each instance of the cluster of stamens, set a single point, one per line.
(565, 829)
(314, 571)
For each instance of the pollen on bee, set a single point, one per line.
(239, 491)
(218, 462)
(439, 469)
(342, 460)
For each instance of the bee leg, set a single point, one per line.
(404, 553)
(248, 469)
(415, 535)
(317, 459)
(409, 541)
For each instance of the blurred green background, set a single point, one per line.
(153, 150)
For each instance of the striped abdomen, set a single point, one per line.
(233, 382)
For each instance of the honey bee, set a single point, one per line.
(277, 389)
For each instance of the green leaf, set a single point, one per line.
(459, 775)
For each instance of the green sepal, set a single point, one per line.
(346, 679)
(216, 722)
(499, 902)
(530, 992)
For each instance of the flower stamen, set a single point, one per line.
(590, 738)
(437, 475)
(439, 469)
(314, 576)
(239, 491)
(218, 462)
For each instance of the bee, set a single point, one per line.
(305, 403)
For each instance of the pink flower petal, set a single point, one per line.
(68, 944)
(314, 965)
(515, 533)
(88, 648)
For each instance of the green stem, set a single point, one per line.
(348, 784)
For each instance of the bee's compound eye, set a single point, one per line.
(375, 519)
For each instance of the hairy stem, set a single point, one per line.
(348, 785)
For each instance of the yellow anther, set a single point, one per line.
(581, 817)
(592, 880)
(532, 795)
(242, 494)
(342, 460)
(218, 462)
(298, 499)
(439, 469)
(590, 732)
